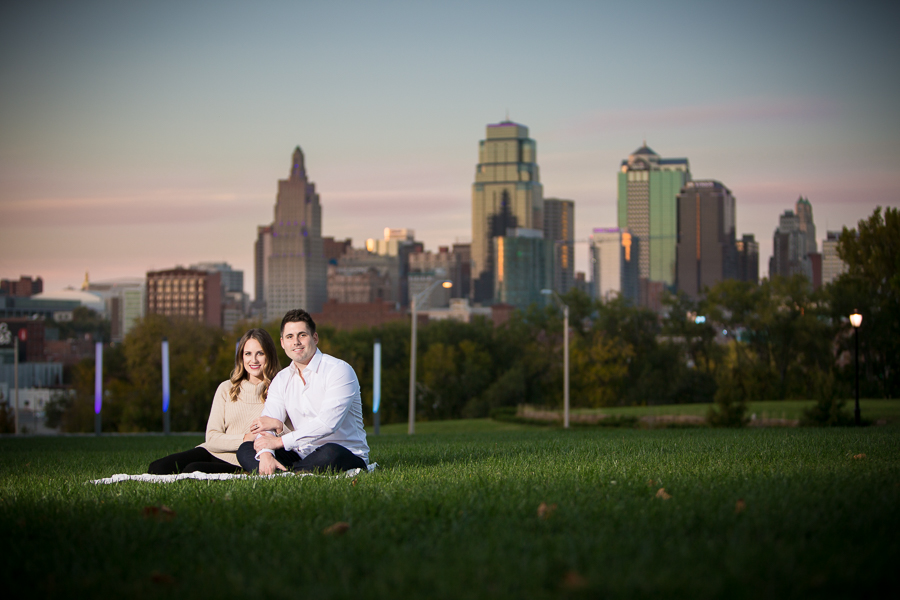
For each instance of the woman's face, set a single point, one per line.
(254, 361)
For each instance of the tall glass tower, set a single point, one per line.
(507, 193)
(648, 208)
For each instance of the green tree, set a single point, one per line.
(872, 285)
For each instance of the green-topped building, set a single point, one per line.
(647, 207)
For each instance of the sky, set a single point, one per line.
(145, 135)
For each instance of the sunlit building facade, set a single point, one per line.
(559, 230)
(507, 194)
(614, 264)
(521, 267)
(648, 187)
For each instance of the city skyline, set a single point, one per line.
(138, 138)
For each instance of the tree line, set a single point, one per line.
(778, 339)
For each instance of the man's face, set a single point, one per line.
(299, 345)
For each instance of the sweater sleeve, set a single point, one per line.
(217, 440)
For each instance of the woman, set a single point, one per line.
(237, 403)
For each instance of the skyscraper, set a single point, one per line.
(832, 264)
(522, 258)
(614, 260)
(793, 241)
(706, 253)
(748, 258)
(647, 207)
(507, 193)
(294, 273)
(559, 230)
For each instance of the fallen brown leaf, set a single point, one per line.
(161, 512)
(859, 456)
(573, 580)
(661, 493)
(545, 511)
(353, 482)
(739, 506)
(161, 578)
(339, 528)
(650, 483)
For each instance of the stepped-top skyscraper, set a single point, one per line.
(294, 273)
(647, 207)
(507, 194)
(793, 242)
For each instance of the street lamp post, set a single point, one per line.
(420, 297)
(856, 321)
(565, 308)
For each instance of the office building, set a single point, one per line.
(506, 194)
(793, 241)
(832, 264)
(185, 293)
(747, 249)
(235, 303)
(291, 247)
(648, 187)
(25, 287)
(398, 244)
(614, 264)
(124, 299)
(705, 252)
(559, 230)
(522, 262)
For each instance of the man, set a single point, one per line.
(320, 395)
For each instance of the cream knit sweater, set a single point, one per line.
(229, 421)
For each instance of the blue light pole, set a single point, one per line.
(165, 385)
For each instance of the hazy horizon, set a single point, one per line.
(140, 137)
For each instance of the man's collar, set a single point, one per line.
(311, 367)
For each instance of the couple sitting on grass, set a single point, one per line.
(317, 394)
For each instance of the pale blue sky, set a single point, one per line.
(140, 137)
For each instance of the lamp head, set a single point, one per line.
(447, 284)
(856, 318)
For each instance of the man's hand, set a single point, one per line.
(266, 424)
(267, 441)
(268, 464)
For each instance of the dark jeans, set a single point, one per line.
(194, 460)
(325, 457)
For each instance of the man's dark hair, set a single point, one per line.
(298, 315)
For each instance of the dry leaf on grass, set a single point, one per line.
(353, 482)
(739, 506)
(650, 483)
(161, 512)
(545, 511)
(339, 528)
(859, 456)
(573, 580)
(161, 578)
(661, 493)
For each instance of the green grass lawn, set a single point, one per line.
(871, 410)
(453, 512)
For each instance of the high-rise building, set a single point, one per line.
(187, 293)
(522, 260)
(432, 266)
(793, 241)
(705, 250)
(507, 193)
(398, 244)
(234, 301)
(559, 230)
(25, 287)
(647, 207)
(832, 265)
(294, 271)
(747, 258)
(124, 298)
(614, 264)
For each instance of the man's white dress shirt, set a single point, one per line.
(327, 408)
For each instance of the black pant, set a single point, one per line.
(194, 460)
(327, 456)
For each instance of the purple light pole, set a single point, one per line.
(165, 385)
(376, 385)
(98, 384)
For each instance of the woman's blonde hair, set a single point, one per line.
(269, 371)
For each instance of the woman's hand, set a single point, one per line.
(249, 437)
(266, 424)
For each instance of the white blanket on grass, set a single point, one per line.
(146, 477)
